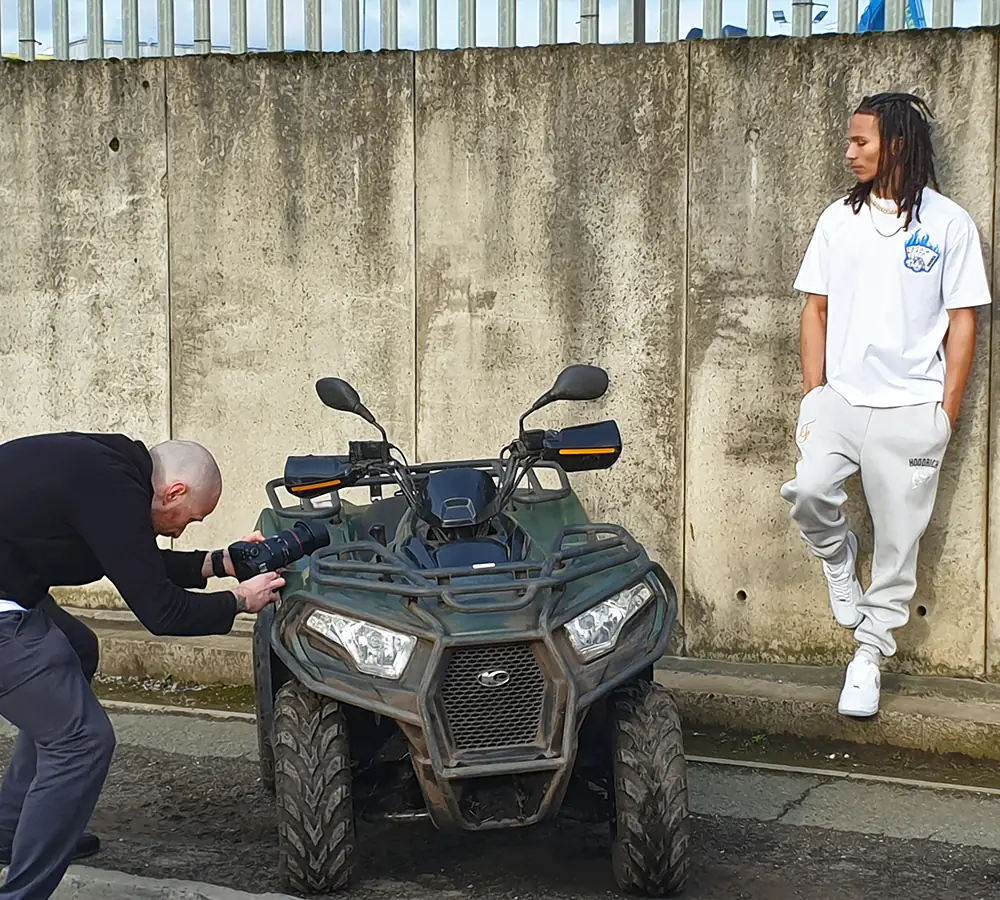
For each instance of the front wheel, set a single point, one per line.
(312, 777)
(651, 828)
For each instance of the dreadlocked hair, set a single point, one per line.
(905, 153)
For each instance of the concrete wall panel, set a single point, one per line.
(993, 542)
(291, 220)
(83, 254)
(550, 211)
(768, 122)
(83, 250)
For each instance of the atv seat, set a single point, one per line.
(385, 512)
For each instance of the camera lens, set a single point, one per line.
(310, 536)
(290, 545)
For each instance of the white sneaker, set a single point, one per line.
(845, 589)
(862, 686)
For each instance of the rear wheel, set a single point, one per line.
(650, 825)
(312, 768)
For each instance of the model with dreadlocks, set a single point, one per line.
(892, 275)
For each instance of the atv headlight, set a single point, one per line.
(596, 631)
(375, 650)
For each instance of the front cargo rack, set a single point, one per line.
(388, 573)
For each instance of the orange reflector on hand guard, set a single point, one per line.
(302, 488)
(587, 451)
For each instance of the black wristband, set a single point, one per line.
(219, 564)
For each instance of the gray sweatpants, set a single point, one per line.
(899, 452)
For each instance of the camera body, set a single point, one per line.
(302, 539)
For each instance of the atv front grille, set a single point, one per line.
(493, 697)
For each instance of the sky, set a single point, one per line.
(967, 13)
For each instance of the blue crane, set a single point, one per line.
(873, 18)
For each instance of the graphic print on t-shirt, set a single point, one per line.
(921, 252)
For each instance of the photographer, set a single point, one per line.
(75, 508)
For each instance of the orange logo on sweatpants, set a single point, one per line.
(805, 431)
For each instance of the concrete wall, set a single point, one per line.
(447, 230)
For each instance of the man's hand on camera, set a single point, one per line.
(208, 568)
(255, 593)
(255, 538)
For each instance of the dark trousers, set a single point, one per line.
(63, 751)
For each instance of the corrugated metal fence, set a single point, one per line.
(194, 26)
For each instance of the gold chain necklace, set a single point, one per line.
(888, 211)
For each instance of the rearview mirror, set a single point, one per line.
(580, 382)
(338, 394)
(577, 382)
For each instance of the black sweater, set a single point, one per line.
(75, 508)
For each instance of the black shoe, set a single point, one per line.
(88, 845)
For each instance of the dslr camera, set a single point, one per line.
(302, 539)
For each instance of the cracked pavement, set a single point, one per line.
(183, 801)
(953, 817)
(737, 792)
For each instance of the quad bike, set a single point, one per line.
(466, 650)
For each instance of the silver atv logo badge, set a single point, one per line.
(494, 678)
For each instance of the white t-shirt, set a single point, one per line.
(889, 292)
(9, 606)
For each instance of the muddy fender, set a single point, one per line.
(264, 690)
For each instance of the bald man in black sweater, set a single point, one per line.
(75, 508)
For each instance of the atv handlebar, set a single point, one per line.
(579, 448)
(369, 459)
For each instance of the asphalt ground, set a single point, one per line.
(183, 801)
